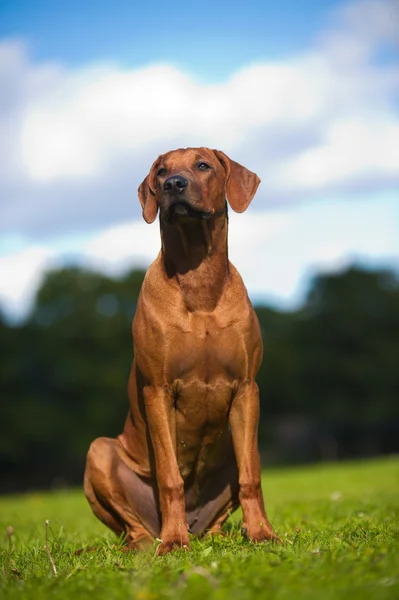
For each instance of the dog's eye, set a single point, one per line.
(162, 171)
(202, 166)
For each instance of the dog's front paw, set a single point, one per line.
(260, 532)
(172, 540)
(171, 546)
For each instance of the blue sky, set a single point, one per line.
(210, 39)
(304, 93)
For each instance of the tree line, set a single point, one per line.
(329, 382)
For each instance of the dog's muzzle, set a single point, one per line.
(182, 208)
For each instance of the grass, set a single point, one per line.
(338, 522)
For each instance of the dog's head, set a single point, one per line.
(193, 183)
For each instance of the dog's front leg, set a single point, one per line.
(161, 421)
(244, 417)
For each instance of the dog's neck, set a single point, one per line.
(195, 254)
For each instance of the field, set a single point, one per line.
(338, 523)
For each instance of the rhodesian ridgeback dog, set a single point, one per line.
(188, 455)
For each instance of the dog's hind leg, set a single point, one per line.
(125, 502)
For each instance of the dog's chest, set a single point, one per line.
(205, 351)
(201, 424)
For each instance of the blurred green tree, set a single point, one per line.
(330, 372)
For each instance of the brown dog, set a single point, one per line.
(188, 455)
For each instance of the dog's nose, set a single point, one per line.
(175, 184)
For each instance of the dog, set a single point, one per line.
(188, 455)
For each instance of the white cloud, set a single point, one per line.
(320, 236)
(76, 143)
(21, 274)
(352, 148)
(118, 248)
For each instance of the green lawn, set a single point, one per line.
(339, 525)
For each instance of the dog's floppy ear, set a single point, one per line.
(147, 194)
(148, 201)
(241, 183)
